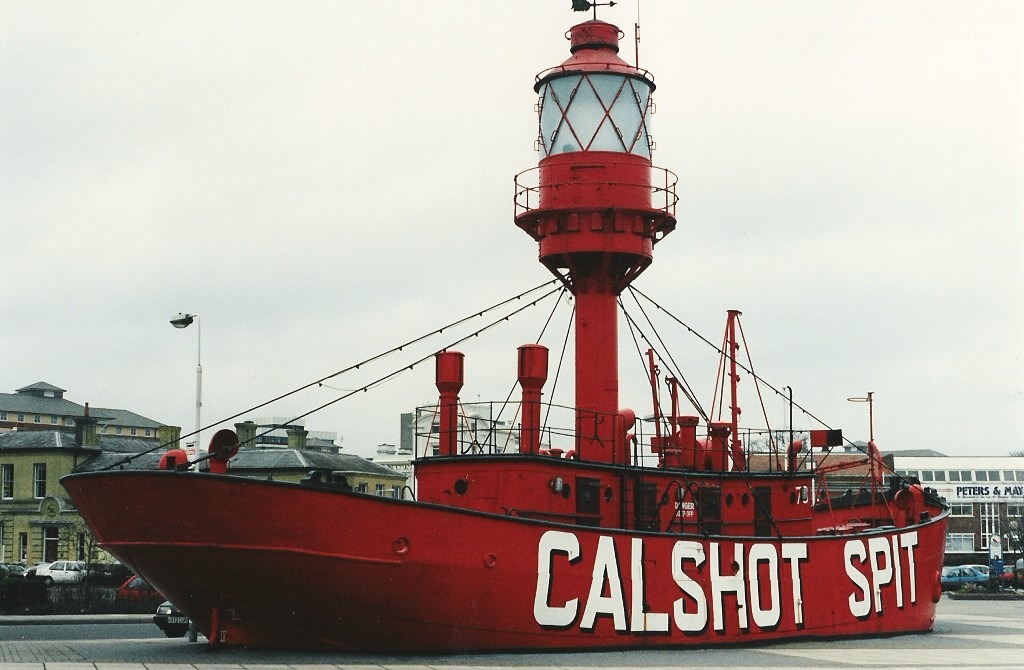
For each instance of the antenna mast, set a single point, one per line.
(636, 36)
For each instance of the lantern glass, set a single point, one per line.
(595, 112)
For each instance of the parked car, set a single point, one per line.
(168, 619)
(31, 572)
(136, 589)
(1007, 578)
(61, 572)
(110, 574)
(16, 570)
(955, 576)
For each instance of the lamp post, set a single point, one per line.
(871, 413)
(184, 321)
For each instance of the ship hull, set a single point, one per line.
(281, 565)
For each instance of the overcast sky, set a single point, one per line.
(323, 180)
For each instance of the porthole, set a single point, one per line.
(461, 486)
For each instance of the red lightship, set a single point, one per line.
(625, 534)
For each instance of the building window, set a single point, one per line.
(993, 475)
(981, 475)
(3, 416)
(21, 417)
(68, 422)
(39, 480)
(959, 542)
(965, 475)
(51, 543)
(926, 476)
(82, 548)
(38, 418)
(1014, 511)
(989, 522)
(23, 547)
(362, 487)
(117, 430)
(396, 491)
(133, 431)
(954, 475)
(3, 546)
(961, 509)
(7, 481)
(380, 489)
(148, 433)
(1008, 475)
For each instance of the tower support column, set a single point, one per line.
(597, 368)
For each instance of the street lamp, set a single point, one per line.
(184, 321)
(871, 413)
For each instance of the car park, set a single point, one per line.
(170, 620)
(955, 576)
(61, 572)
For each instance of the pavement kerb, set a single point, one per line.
(58, 619)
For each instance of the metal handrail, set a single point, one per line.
(527, 195)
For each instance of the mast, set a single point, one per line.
(594, 210)
(738, 460)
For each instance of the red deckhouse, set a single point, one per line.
(619, 540)
(592, 212)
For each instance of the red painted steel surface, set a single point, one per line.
(288, 566)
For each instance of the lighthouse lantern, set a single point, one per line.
(595, 112)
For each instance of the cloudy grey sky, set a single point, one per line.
(323, 180)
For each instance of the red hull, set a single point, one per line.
(275, 564)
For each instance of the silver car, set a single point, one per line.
(62, 572)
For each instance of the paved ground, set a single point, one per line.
(979, 634)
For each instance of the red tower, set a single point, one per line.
(595, 209)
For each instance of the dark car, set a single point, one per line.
(955, 576)
(168, 619)
(15, 570)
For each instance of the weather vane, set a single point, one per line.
(584, 5)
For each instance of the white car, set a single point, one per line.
(61, 572)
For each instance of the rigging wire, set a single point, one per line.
(356, 366)
(672, 366)
(512, 390)
(756, 377)
(738, 363)
(410, 366)
(558, 369)
(772, 446)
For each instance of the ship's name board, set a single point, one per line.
(751, 579)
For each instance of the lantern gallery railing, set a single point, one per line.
(663, 190)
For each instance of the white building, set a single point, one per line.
(986, 497)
